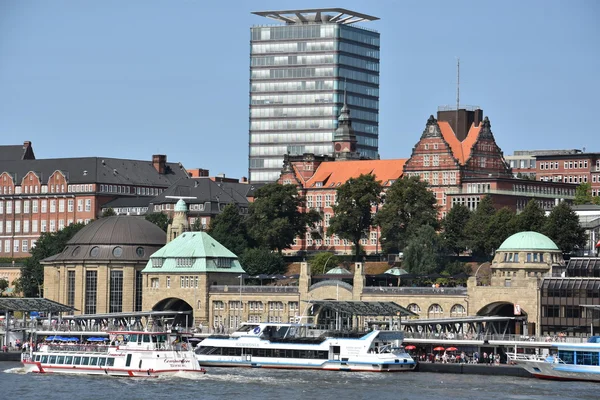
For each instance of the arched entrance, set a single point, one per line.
(175, 304)
(507, 309)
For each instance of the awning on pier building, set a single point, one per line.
(33, 304)
(365, 308)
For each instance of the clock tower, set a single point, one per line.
(344, 139)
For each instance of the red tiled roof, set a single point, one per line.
(336, 173)
(461, 150)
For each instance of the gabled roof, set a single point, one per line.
(460, 150)
(198, 246)
(11, 152)
(332, 174)
(96, 170)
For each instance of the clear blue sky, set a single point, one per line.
(131, 78)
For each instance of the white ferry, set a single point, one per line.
(300, 346)
(569, 361)
(129, 354)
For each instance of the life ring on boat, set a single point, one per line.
(256, 330)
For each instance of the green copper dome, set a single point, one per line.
(181, 206)
(339, 271)
(528, 241)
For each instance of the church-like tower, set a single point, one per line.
(344, 139)
(180, 222)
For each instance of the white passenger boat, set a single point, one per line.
(568, 361)
(300, 346)
(129, 354)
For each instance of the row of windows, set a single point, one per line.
(294, 150)
(296, 86)
(436, 310)
(579, 357)
(522, 164)
(563, 293)
(75, 360)
(297, 47)
(358, 62)
(359, 50)
(142, 191)
(287, 73)
(282, 112)
(265, 176)
(556, 311)
(543, 189)
(18, 246)
(305, 98)
(266, 162)
(255, 352)
(293, 60)
(359, 35)
(291, 137)
(35, 206)
(255, 305)
(358, 75)
(439, 177)
(44, 226)
(293, 32)
(292, 124)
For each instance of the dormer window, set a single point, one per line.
(223, 262)
(157, 262)
(319, 184)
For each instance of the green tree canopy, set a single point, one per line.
(502, 225)
(532, 218)
(408, 206)
(262, 261)
(562, 226)
(583, 194)
(229, 229)
(478, 228)
(109, 212)
(275, 217)
(454, 229)
(159, 219)
(3, 285)
(422, 254)
(353, 216)
(48, 244)
(322, 262)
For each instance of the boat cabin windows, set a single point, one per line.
(60, 359)
(52, 360)
(93, 360)
(69, 360)
(247, 328)
(258, 352)
(579, 357)
(85, 360)
(44, 359)
(76, 360)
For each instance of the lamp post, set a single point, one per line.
(476, 272)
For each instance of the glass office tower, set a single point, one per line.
(298, 73)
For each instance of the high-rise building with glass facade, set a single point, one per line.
(298, 74)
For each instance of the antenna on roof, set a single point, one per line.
(180, 197)
(457, 92)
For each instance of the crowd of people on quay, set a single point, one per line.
(454, 357)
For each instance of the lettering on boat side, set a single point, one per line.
(247, 344)
(173, 361)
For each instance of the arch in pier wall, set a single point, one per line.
(176, 304)
(502, 309)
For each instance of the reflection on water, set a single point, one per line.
(265, 384)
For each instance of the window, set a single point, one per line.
(34, 226)
(435, 311)
(71, 288)
(218, 305)
(9, 207)
(70, 205)
(1, 207)
(52, 225)
(26, 206)
(61, 206)
(154, 283)
(91, 287)
(44, 206)
(458, 310)
(168, 282)
(79, 205)
(26, 226)
(88, 205)
(17, 206)
(17, 226)
(52, 206)
(34, 206)
(8, 226)
(414, 308)
(426, 160)
(43, 226)
(25, 246)
(116, 292)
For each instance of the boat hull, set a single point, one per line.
(348, 366)
(37, 367)
(561, 371)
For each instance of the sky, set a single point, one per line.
(132, 78)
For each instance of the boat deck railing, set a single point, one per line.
(449, 336)
(78, 348)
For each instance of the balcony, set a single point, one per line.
(252, 289)
(424, 291)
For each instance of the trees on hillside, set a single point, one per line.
(48, 244)
(109, 212)
(408, 206)
(454, 230)
(423, 252)
(229, 229)
(583, 195)
(562, 226)
(502, 225)
(352, 216)
(3, 285)
(320, 263)
(275, 217)
(532, 218)
(478, 228)
(159, 219)
(262, 261)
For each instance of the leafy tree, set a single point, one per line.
(583, 194)
(276, 217)
(196, 226)
(454, 229)
(159, 219)
(477, 228)
(48, 244)
(262, 261)
(408, 206)
(322, 262)
(502, 225)
(457, 267)
(562, 226)
(109, 212)
(229, 229)
(17, 288)
(422, 252)
(3, 285)
(532, 218)
(352, 215)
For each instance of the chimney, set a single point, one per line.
(27, 151)
(159, 162)
(243, 179)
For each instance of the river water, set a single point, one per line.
(264, 384)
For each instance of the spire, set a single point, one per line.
(345, 112)
(344, 138)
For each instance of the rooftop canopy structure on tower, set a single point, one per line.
(317, 16)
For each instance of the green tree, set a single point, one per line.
(262, 261)
(109, 212)
(159, 219)
(3, 285)
(562, 226)
(352, 213)
(477, 228)
(532, 218)
(322, 262)
(454, 229)
(48, 244)
(276, 217)
(196, 226)
(502, 225)
(583, 194)
(422, 254)
(408, 206)
(229, 229)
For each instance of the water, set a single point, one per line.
(264, 384)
